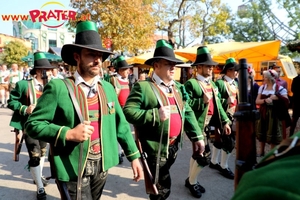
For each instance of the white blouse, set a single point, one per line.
(262, 90)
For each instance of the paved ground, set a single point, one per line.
(16, 181)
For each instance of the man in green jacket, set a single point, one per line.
(275, 176)
(205, 102)
(228, 92)
(22, 101)
(158, 111)
(55, 120)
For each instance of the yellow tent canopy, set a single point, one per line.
(143, 57)
(252, 51)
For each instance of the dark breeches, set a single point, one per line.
(164, 179)
(36, 149)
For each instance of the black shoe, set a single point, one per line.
(227, 173)
(215, 166)
(195, 189)
(120, 159)
(44, 181)
(41, 194)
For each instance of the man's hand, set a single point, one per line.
(164, 113)
(137, 169)
(80, 133)
(227, 129)
(30, 109)
(198, 147)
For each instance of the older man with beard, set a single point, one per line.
(96, 138)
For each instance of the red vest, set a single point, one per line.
(124, 92)
(175, 119)
(94, 112)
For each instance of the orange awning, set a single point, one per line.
(252, 51)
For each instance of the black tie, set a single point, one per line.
(207, 82)
(169, 88)
(92, 90)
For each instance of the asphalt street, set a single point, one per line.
(16, 181)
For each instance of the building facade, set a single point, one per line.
(43, 37)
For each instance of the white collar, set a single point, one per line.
(228, 79)
(79, 79)
(121, 78)
(158, 80)
(202, 79)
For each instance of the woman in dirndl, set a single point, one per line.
(273, 107)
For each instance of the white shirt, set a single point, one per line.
(281, 90)
(3, 75)
(202, 79)
(17, 76)
(161, 84)
(122, 79)
(86, 89)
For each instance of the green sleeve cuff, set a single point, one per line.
(61, 136)
(133, 156)
(22, 110)
(197, 138)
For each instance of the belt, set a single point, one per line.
(95, 150)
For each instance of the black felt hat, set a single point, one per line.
(230, 63)
(120, 63)
(40, 62)
(163, 50)
(203, 57)
(87, 36)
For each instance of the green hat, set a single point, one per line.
(40, 62)
(87, 36)
(163, 50)
(120, 63)
(203, 57)
(230, 63)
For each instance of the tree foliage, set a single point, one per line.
(187, 20)
(210, 19)
(128, 23)
(249, 25)
(13, 52)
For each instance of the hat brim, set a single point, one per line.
(232, 65)
(151, 60)
(33, 70)
(205, 63)
(125, 67)
(68, 50)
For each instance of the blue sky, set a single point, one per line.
(24, 6)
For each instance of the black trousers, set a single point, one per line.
(36, 149)
(93, 181)
(164, 178)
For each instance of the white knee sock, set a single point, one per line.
(42, 162)
(35, 172)
(195, 171)
(215, 155)
(191, 166)
(2, 94)
(224, 159)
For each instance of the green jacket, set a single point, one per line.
(19, 100)
(223, 94)
(54, 115)
(141, 110)
(277, 180)
(219, 118)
